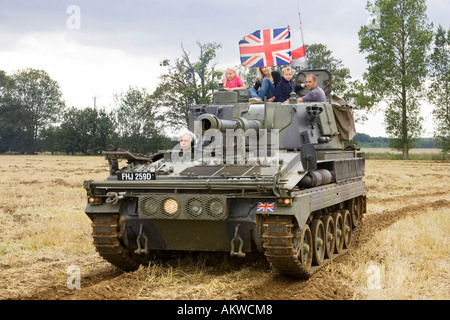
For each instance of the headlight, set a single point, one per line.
(170, 206)
(151, 206)
(195, 207)
(216, 208)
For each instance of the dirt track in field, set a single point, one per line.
(263, 283)
(396, 190)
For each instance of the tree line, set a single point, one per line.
(34, 118)
(408, 63)
(363, 140)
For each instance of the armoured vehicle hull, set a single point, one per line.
(268, 177)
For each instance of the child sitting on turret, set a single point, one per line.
(232, 81)
(285, 86)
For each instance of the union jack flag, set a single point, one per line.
(266, 48)
(265, 207)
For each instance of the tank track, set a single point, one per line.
(106, 233)
(283, 252)
(280, 248)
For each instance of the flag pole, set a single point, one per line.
(301, 30)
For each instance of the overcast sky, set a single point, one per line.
(98, 48)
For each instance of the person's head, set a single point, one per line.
(287, 73)
(311, 81)
(230, 73)
(263, 72)
(186, 141)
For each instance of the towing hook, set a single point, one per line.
(141, 237)
(237, 238)
(114, 197)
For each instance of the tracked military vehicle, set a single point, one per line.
(275, 178)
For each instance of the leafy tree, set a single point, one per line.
(185, 83)
(87, 131)
(360, 97)
(32, 101)
(10, 131)
(3, 80)
(320, 57)
(52, 139)
(396, 54)
(138, 122)
(439, 94)
(12, 119)
(130, 123)
(102, 131)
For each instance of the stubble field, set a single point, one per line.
(403, 250)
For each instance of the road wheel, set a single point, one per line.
(353, 207)
(303, 246)
(318, 237)
(347, 228)
(328, 224)
(338, 232)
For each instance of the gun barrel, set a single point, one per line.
(210, 121)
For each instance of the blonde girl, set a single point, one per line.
(232, 81)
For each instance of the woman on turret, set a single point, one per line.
(266, 83)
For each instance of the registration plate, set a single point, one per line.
(136, 176)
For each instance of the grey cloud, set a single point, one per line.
(140, 27)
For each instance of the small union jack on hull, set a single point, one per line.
(265, 207)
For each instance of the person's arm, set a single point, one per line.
(315, 95)
(242, 87)
(241, 84)
(297, 90)
(310, 97)
(279, 93)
